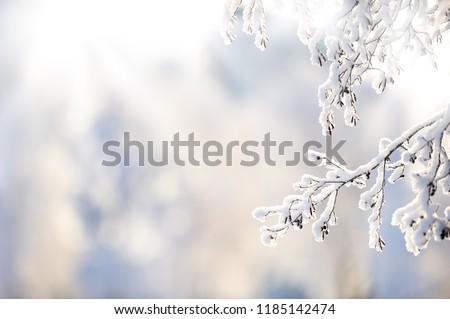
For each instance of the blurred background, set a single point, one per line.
(77, 73)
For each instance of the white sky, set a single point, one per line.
(173, 28)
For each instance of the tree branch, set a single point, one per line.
(420, 220)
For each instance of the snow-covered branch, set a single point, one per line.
(354, 38)
(424, 145)
(358, 38)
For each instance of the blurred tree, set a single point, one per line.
(360, 39)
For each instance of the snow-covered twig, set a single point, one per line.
(355, 38)
(420, 220)
(254, 17)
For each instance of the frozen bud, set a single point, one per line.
(383, 144)
(260, 213)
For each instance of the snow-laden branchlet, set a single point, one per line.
(254, 17)
(420, 221)
(353, 38)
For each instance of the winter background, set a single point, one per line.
(76, 73)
